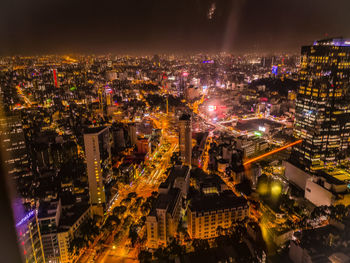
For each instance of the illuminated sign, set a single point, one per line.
(274, 70)
(208, 61)
(185, 74)
(26, 218)
(262, 128)
(211, 108)
(257, 133)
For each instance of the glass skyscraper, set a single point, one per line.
(322, 113)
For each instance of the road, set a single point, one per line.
(143, 186)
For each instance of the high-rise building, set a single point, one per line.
(132, 133)
(29, 236)
(322, 114)
(49, 214)
(185, 138)
(13, 143)
(98, 160)
(163, 220)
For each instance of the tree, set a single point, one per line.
(133, 234)
(119, 210)
(132, 195)
(161, 253)
(145, 256)
(200, 244)
(126, 201)
(139, 201)
(175, 248)
(77, 244)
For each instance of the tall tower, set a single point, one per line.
(322, 114)
(54, 73)
(98, 160)
(185, 138)
(28, 232)
(14, 146)
(132, 133)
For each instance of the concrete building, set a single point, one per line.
(163, 219)
(208, 212)
(29, 236)
(13, 144)
(132, 133)
(318, 245)
(185, 138)
(98, 160)
(142, 145)
(179, 177)
(296, 175)
(118, 137)
(162, 222)
(49, 214)
(68, 228)
(328, 187)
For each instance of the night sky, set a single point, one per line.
(157, 26)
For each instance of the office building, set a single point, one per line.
(29, 236)
(49, 214)
(185, 138)
(13, 143)
(132, 133)
(98, 161)
(322, 113)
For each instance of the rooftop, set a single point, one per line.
(71, 215)
(225, 200)
(166, 201)
(339, 42)
(176, 171)
(93, 130)
(336, 176)
(48, 209)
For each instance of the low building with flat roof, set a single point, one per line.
(207, 212)
(329, 187)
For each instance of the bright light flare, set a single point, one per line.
(272, 152)
(276, 189)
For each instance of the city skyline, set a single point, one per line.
(207, 156)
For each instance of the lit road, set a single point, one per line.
(144, 185)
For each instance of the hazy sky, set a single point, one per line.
(156, 26)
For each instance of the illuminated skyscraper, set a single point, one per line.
(98, 160)
(185, 138)
(12, 140)
(132, 133)
(322, 114)
(29, 236)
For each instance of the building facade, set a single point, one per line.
(185, 138)
(209, 213)
(13, 143)
(322, 114)
(98, 161)
(29, 238)
(163, 220)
